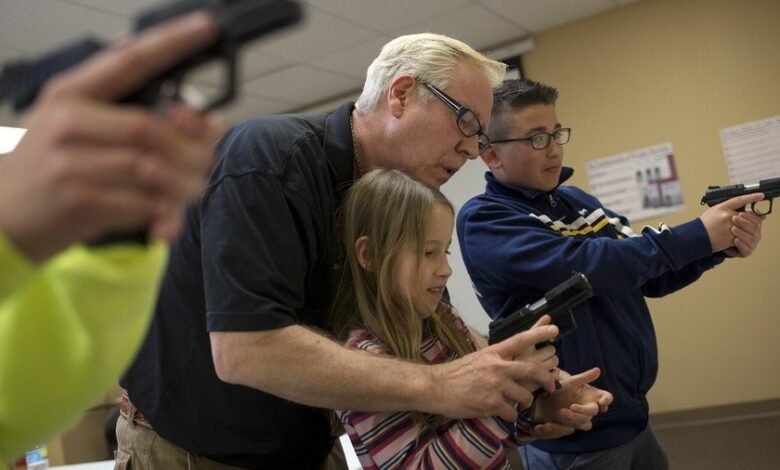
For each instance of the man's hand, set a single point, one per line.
(487, 382)
(575, 404)
(738, 233)
(88, 167)
(545, 356)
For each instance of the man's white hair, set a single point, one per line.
(428, 57)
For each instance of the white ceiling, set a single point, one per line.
(311, 65)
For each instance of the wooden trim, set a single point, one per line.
(716, 414)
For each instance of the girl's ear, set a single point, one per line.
(361, 251)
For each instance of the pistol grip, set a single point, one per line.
(540, 390)
(543, 344)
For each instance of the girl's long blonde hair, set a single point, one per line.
(393, 210)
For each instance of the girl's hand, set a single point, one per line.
(575, 404)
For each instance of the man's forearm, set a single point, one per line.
(303, 366)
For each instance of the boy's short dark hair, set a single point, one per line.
(513, 95)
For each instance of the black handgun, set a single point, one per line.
(770, 188)
(239, 21)
(557, 301)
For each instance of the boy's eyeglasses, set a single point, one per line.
(542, 140)
(468, 122)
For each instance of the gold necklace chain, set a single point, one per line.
(355, 147)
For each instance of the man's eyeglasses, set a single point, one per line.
(468, 122)
(542, 140)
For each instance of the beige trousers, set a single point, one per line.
(141, 448)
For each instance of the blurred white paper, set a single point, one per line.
(752, 150)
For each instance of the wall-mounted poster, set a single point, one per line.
(639, 184)
(752, 150)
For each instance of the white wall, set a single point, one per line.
(466, 183)
(9, 137)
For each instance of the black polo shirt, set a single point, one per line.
(258, 253)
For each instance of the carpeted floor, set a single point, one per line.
(741, 437)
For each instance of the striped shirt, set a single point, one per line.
(394, 440)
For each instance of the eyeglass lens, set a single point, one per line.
(468, 122)
(469, 125)
(542, 140)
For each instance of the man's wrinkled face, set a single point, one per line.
(433, 146)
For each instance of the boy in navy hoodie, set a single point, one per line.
(526, 233)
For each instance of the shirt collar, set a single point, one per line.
(496, 186)
(339, 151)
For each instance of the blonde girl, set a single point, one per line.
(397, 232)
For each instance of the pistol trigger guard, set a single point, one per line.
(757, 210)
(230, 89)
(170, 90)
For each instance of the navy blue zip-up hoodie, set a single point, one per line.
(517, 244)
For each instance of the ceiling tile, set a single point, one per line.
(313, 64)
(251, 64)
(387, 16)
(247, 106)
(318, 35)
(244, 106)
(353, 61)
(42, 25)
(540, 15)
(475, 25)
(302, 85)
(127, 8)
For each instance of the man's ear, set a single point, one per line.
(401, 89)
(490, 157)
(361, 252)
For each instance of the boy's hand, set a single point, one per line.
(731, 230)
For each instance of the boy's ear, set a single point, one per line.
(361, 251)
(400, 90)
(490, 157)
